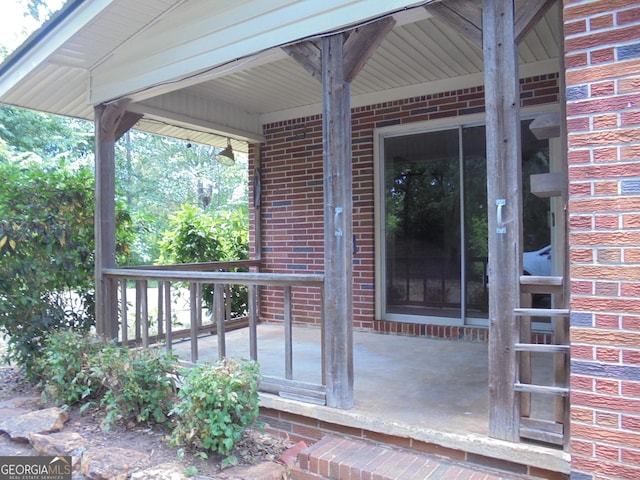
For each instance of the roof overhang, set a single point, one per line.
(208, 70)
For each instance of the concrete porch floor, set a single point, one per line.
(433, 391)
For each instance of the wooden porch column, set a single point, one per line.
(504, 180)
(338, 225)
(335, 61)
(111, 122)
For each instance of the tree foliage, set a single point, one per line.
(46, 252)
(38, 9)
(195, 236)
(157, 175)
(47, 205)
(45, 135)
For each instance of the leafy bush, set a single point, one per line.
(195, 236)
(139, 384)
(213, 407)
(64, 366)
(132, 385)
(217, 403)
(46, 254)
(46, 250)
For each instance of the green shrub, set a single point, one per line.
(196, 236)
(46, 254)
(139, 384)
(64, 366)
(217, 403)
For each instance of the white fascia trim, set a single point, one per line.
(41, 51)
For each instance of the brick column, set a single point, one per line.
(602, 58)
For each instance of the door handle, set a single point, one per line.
(500, 202)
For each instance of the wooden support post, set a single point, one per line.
(111, 122)
(105, 225)
(505, 208)
(338, 225)
(336, 62)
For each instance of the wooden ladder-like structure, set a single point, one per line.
(544, 430)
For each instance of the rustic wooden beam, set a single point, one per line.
(338, 225)
(338, 63)
(362, 43)
(504, 193)
(464, 16)
(527, 15)
(127, 121)
(308, 56)
(108, 121)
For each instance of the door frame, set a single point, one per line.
(379, 134)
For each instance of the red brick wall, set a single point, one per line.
(296, 428)
(602, 52)
(292, 195)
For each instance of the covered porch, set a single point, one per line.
(334, 60)
(420, 393)
(220, 76)
(409, 390)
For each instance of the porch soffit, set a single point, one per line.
(200, 34)
(420, 55)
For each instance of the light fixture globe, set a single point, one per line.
(225, 156)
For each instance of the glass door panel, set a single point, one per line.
(436, 238)
(475, 221)
(422, 224)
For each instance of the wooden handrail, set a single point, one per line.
(233, 278)
(200, 266)
(197, 275)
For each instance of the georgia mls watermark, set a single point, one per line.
(35, 468)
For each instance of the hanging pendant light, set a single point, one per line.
(225, 156)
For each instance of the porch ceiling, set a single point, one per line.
(55, 71)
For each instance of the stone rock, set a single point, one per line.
(61, 443)
(26, 403)
(8, 416)
(41, 421)
(261, 471)
(111, 463)
(165, 471)
(13, 449)
(290, 456)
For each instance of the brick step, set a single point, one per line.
(335, 458)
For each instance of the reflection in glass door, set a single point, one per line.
(422, 187)
(475, 222)
(435, 221)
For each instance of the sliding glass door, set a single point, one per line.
(434, 224)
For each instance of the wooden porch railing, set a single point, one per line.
(216, 274)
